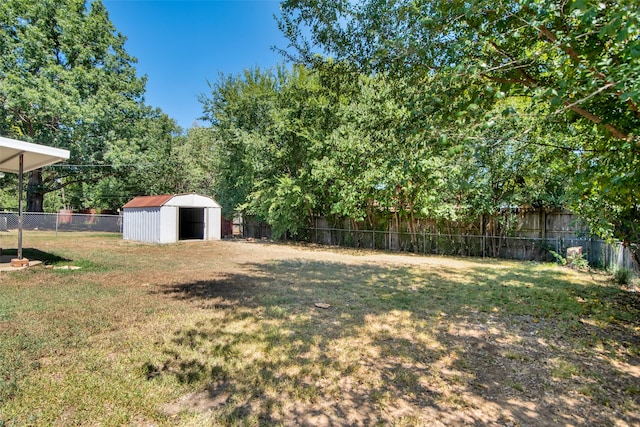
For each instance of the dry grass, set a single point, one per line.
(227, 333)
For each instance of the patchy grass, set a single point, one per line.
(227, 333)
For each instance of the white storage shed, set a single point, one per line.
(169, 218)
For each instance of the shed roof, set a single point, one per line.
(148, 201)
(188, 200)
(35, 155)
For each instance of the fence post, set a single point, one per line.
(57, 218)
(482, 234)
(620, 255)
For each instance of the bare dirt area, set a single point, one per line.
(257, 333)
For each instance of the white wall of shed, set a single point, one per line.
(169, 224)
(213, 227)
(142, 224)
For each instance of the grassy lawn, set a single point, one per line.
(228, 333)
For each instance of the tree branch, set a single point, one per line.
(569, 106)
(595, 119)
(573, 54)
(531, 82)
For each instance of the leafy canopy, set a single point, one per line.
(67, 81)
(577, 61)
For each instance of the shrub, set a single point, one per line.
(580, 262)
(558, 257)
(622, 275)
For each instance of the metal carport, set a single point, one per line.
(20, 157)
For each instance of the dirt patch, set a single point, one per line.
(210, 399)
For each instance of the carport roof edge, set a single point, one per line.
(35, 155)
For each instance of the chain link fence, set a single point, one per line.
(598, 253)
(61, 221)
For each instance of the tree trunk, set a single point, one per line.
(413, 228)
(35, 195)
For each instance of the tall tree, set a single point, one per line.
(239, 108)
(321, 142)
(66, 81)
(271, 129)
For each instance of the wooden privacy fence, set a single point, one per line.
(598, 253)
(537, 238)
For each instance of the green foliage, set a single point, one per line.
(585, 53)
(328, 142)
(558, 257)
(576, 62)
(511, 162)
(161, 160)
(621, 275)
(67, 81)
(579, 262)
(239, 108)
(8, 192)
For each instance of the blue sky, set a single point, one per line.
(180, 44)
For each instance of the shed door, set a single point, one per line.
(191, 224)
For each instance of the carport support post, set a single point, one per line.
(20, 188)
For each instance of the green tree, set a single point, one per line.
(271, 129)
(580, 58)
(381, 161)
(319, 142)
(239, 109)
(66, 81)
(285, 192)
(8, 193)
(581, 55)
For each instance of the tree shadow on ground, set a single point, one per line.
(477, 346)
(33, 254)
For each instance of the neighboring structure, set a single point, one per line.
(169, 218)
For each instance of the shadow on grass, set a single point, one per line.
(476, 346)
(34, 255)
